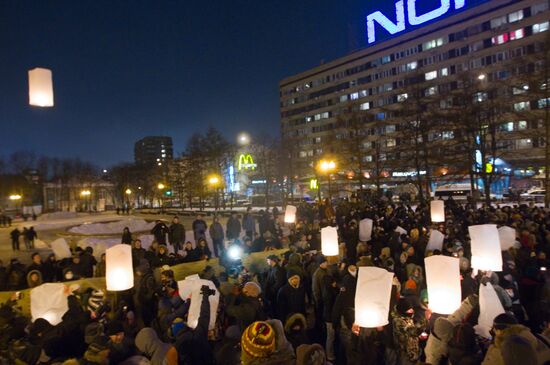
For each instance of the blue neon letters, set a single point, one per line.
(413, 17)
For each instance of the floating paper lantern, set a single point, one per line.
(485, 247)
(329, 241)
(49, 301)
(443, 280)
(489, 307)
(507, 237)
(191, 288)
(40, 87)
(437, 210)
(435, 242)
(365, 229)
(290, 214)
(372, 297)
(61, 249)
(119, 269)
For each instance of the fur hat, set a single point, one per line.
(258, 340)
(251, 289)
(311, 355)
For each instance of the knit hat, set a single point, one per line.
(258, 340)
(251, 289)
(403, 305)
(504, 320)
(114, 328)
(320, 259)
(95, 300)
(311, 355)
(292, 272)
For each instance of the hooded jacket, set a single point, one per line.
(283, 354)
(159, 352)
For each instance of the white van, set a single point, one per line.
(457, 191)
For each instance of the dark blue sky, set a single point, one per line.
(126, 69)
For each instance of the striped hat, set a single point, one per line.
(258, 340)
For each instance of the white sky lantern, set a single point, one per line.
(190, 287)
(365, 229)
(507, 236)
(443, 280)
(290, 214)
(120, 273)
(485, 247)
(329, 241)
(489, 307)
(49, 301)
(437, 210)
(61, 249)
(435, 242)
(40, 87)
(372, 297)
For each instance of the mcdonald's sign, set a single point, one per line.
(313, 184)
(246, 162)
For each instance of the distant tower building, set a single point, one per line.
(154, 150)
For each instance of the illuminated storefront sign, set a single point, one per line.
(413, 16)
(313, 184)
(246, 162)
(406, 173)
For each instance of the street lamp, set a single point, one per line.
(243, 138)
(214, 181)
(86, 195)
(327, 167)
(15, 197)
(128, 191)
(161, 187)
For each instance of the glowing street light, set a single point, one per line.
(15, 197)
(160, 186)
(481, 77)
(85, 193)
(243, 138)
(214, 180)
(128, 191)
(327, 167)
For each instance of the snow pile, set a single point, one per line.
(135, 225)
(57, 215)
(99, 245)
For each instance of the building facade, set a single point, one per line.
(153, 150)
(371, 109)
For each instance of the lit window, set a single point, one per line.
(540, 27)
(508, 127)
(522, 125)
(324, 115)
(309, 119)
(163, 155)
(516, 34)
(402, 97)
(444, 72)
(431, 75)
(412, 66)
(162, 151)
(524, 143)
(390, 142)
(521, 106)
(390, 128)
(367, 158)
(497, 22)
(380, 116)
(500, 39)
(354, 96)
(480, 96)
(365, 106)
(363, 93)
(516, 16)
(432, 44)
(431, 91)
(448, 135)
(343, 98)
(317, 117)
(303, 154)
(543, 103)
(385, 59)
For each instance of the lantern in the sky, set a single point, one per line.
(372, 297)
(485, 243)
(365, 229)
(49, 301)
(290, 214)
(443, 280)
(329, 241)
(40, 87)
(119, 269)
(437, 210)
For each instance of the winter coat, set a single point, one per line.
(405, 334)
(233, 228)
(31, 284)
(344, 305)
(296, 337)
(176, 234)
(249, 223)
(192, 344)
(101, 269)
(159, 231)
(199, 228)
(317, 280)
(126, 238)
(494, 354)
(276, 278)
(159, 352)
(283, 354)
(245, 309)
(291, 300)
(216, 231)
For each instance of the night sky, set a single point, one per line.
(127, 69)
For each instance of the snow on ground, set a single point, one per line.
(135, 225)
(57, 215)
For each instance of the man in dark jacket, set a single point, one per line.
(291, 298)
(216, 233)
(160, 230)
(233, 227)
(15, 239)
(199, 228)
(88, 262)
(246, 307)
(36, 264)
(30, 236)
(276, 278)
(177, 234)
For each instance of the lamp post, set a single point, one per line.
(327, 167)
(86, 194)
(243, 139)
(128, 192)
(214, 182)
(160, 187)
(16, 198)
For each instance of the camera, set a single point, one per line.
(205, 290)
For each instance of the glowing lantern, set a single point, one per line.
(489, 307)
(290, 214)
(485, 247)
(507, 237)
(329, 241)
(365, 229)
(49, 301)
(191, 288)
(40, 87)
(61, 249)
(437, 210)
(120, 273)
(372, 297)
(436, 240)
(443, 280)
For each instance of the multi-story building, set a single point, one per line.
(494, 44)
(154, 150)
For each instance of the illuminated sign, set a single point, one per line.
(313, 184)
(406, 173)
(259, 181)
(413, 16)
(246, 162)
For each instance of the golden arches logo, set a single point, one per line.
(313, 184)
(246, 162)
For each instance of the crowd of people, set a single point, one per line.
(301, 309)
